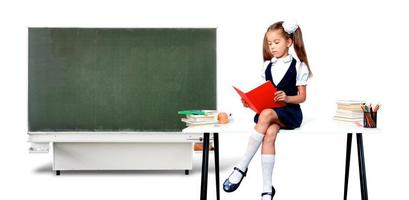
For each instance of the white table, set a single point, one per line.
(314, 125)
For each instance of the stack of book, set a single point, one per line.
(199, 117)
(349, 110)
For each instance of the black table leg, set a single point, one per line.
(205, 166)
(362, 172)
(347, 161)
(216, 163)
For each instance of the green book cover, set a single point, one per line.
(191, 112)
(197, 112)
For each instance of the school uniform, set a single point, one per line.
(286, 74)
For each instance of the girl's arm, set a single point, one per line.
(297, 99)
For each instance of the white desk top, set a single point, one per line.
(313, 125)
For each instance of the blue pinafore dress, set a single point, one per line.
(291, 114)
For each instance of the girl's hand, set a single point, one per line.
(244, 103)
(280, 96)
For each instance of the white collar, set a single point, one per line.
(286, 59)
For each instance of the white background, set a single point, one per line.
(357, 50)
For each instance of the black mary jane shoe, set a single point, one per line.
(272, 193)
(231, 187)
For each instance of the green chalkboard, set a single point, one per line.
(115, 79)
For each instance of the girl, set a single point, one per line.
(290, 77)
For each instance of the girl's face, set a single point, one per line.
(277, 43)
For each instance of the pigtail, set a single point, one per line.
(266, 52)
(300, 49)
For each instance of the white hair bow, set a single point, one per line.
(290, 26)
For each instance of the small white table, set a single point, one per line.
(314, 125)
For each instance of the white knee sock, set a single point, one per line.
(267, 165)
(254, 143)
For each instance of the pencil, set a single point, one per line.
(376, 108)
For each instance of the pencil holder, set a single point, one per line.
(370, 119)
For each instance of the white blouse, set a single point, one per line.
(280, 66)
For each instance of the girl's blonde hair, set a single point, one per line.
(296, 37)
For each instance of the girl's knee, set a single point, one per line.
(266, 113)
(266, 116)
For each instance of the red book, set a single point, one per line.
(261, 97)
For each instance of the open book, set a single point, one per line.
(261, 97)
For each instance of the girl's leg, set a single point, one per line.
(256, 138)
(253, 145)
(268, 144)
(266, 118)
(268, 158)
